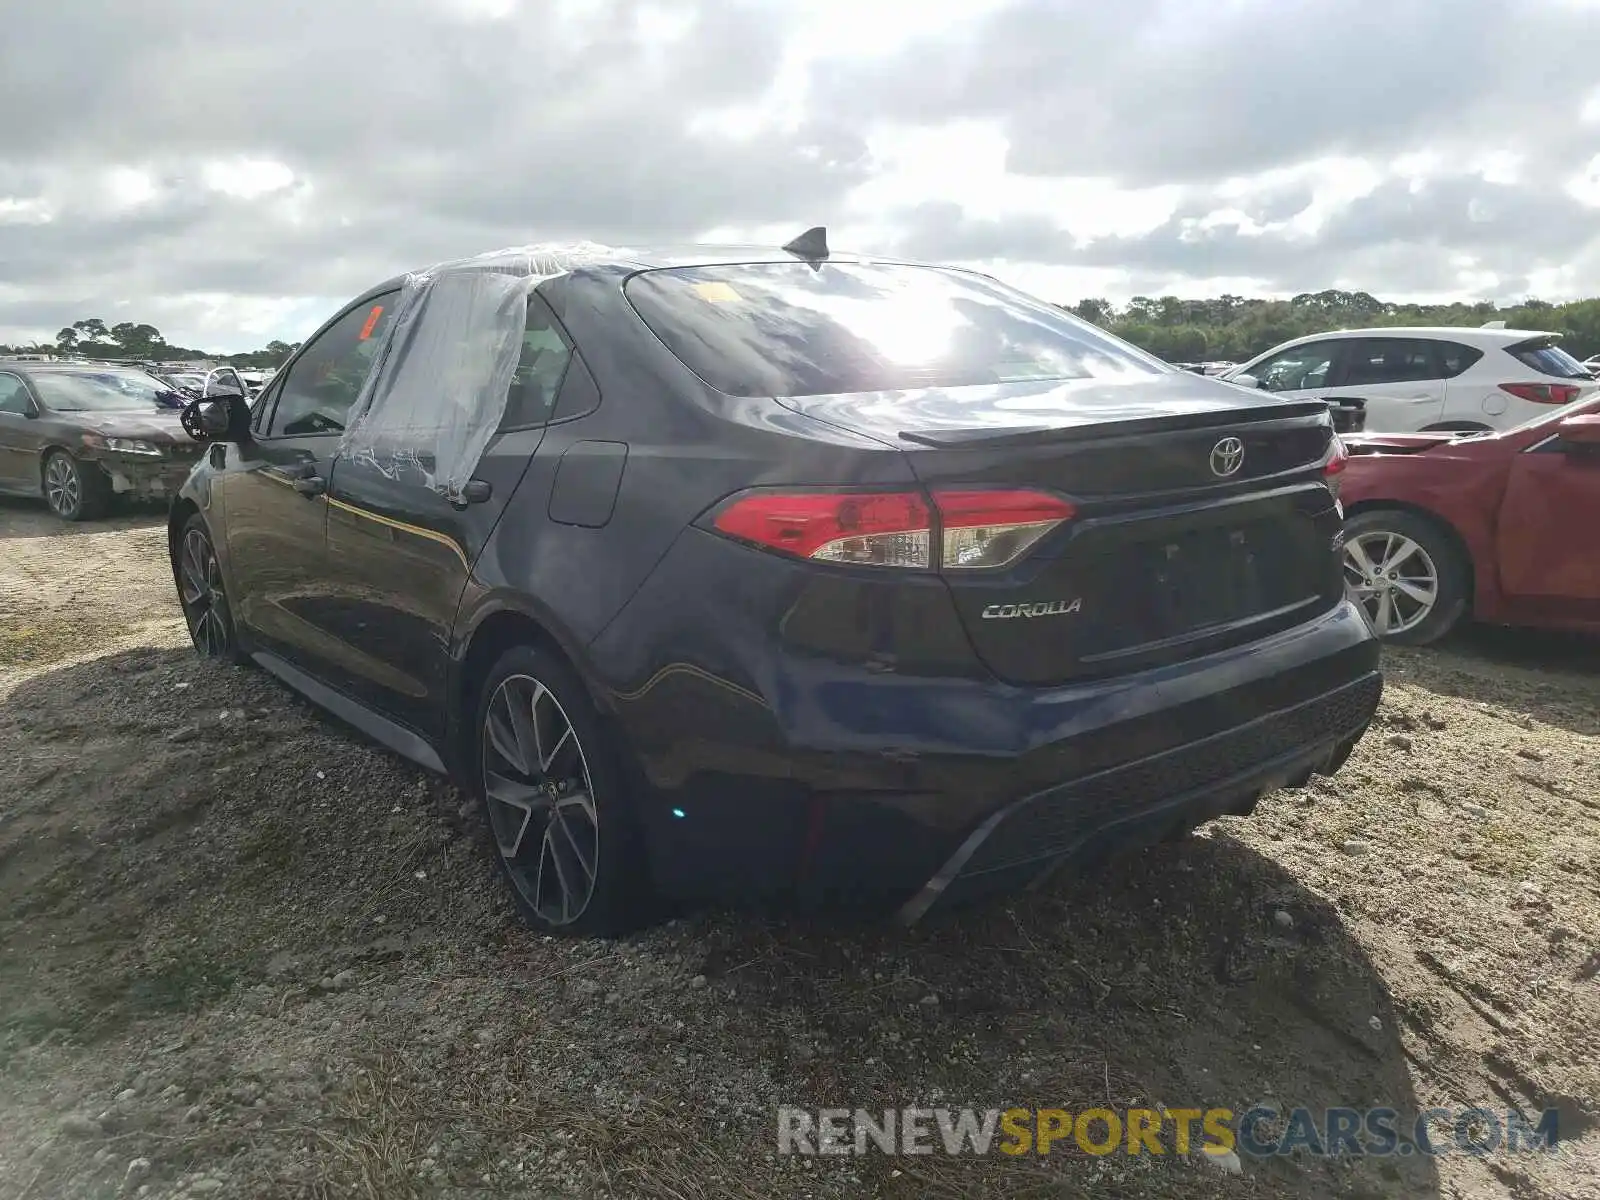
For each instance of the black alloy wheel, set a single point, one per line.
(200, 590)
(73, 491)
(563, 831)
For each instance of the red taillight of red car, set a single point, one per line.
(1543, 393)
(1333, 469)
(976, 529)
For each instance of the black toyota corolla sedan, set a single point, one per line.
(785, 574)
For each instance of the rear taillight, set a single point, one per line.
(992, 529)
(970, 529)
(865, 529)
(1543, 393)
(1333, 469)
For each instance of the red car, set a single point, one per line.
(1503, 526)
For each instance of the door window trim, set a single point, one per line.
(1336, 358)
(32, 405)
(560, 331)
(1435, 360)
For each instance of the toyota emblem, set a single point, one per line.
(1227, 456)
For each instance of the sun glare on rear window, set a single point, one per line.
(791, 329)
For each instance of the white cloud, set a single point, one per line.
(129, 187)
(246, 178)
(25, 210)
(236, 193)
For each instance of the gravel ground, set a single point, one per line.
(244, 953)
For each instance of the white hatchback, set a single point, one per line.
(1413, 379)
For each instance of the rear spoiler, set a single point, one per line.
(1539, 341)
(1285, 412)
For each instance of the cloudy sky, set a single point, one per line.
(231, 172)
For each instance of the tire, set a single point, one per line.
(73, 490)
(205, 605)
(1380, 538)
(565, 834)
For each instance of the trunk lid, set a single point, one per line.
(1175, 549)
(1096, 407)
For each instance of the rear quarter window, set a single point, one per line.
(790, 329)
(1455, 358)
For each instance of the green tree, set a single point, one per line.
(1097, 312)
(1237, 328)
(92, 330)
(139, 341)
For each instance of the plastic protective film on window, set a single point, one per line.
(438, 388)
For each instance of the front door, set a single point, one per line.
(400, 553)
(274, 491)
(19, 446)
(1301, 372)
(1549, 532)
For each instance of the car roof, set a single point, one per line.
(556, 259)
(1454, 332)
(1470, 335)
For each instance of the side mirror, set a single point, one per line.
(1582, 430)
(224, 381)
(224, 418)
(1245, 381)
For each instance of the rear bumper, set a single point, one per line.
(1146, 800)
(804, 779)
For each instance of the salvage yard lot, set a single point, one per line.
(243, 952)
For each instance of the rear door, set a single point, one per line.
(1402, 381)
(1548, 539)
(400, 553)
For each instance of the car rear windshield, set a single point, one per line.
(793, 329)
(1548, 359)
(99, 391)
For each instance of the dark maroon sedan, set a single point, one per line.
(1503, 526)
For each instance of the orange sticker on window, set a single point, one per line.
(372, 322)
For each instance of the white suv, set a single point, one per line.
(1415, 379)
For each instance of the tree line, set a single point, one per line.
(1230, 328)
(1234, 329)
(93, 338)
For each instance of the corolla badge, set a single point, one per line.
(1044, 608)
(1227, 456)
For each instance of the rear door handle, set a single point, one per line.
(311, 485)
